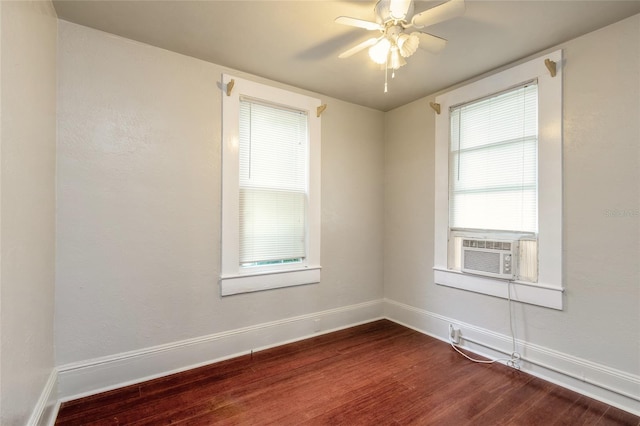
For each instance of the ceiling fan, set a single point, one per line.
(394, 44)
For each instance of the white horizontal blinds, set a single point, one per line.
(273, 156)
(493, 162)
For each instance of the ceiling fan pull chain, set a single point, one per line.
(386, 72)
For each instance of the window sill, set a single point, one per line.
(247, 283)
(534, 294)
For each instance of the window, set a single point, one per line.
(499, 178)
(273, 184)
(271, 188)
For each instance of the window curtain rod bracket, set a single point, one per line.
(436, 107)
(321, 109)
(551, 66)
(230, 85)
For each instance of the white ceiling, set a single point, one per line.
(297, 42)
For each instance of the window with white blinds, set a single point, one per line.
(493, 157)
(271, 194)
(273, 151)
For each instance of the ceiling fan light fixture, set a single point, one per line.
(379, 51)
(408, 44)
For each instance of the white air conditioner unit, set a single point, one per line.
(491, 258)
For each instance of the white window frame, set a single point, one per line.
(235, 279)
(548, 291)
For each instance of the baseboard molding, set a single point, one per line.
(561, 369)
(101, 374)
(46, 409)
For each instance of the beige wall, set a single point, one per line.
(601, 319)
(139, 206)
(139, 203)
(27, 197)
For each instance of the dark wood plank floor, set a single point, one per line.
(375, 374)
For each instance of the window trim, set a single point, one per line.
(233, 278)
(548, 291)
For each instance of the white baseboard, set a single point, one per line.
(585, 377)
(98, 375)
(46, 409)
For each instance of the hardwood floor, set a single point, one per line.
(375, 374)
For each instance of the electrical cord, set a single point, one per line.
(515, 355)
(514, 360)
(511, 362)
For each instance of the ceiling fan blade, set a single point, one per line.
(358, 47)
(360, 23)
(398, 8)
(445, 11)
(430, 43)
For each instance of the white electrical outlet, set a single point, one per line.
(454, 334)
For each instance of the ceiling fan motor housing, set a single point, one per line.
(383, 12)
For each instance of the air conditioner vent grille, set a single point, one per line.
(483, 261)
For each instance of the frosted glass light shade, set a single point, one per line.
(408, 44)
(395, 59)
(379, 51)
